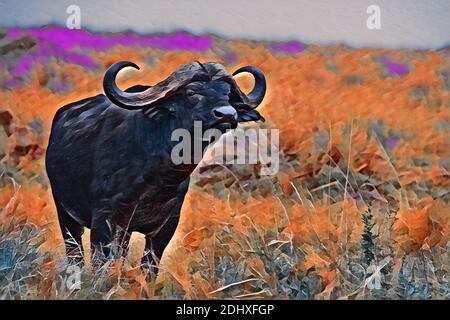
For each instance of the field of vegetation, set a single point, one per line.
(358, 210)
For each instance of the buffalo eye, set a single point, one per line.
(191, 93)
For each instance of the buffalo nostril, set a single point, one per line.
(226, 113)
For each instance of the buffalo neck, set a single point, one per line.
(158, 145)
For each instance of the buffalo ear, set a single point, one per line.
(250, 115)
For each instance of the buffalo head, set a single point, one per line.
(194, 92)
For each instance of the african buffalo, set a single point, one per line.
(108, 158)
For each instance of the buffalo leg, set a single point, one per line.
(154, 246)
(123, 241)
(101, 241)
(72, 232)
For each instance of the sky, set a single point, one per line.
(404, 23)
